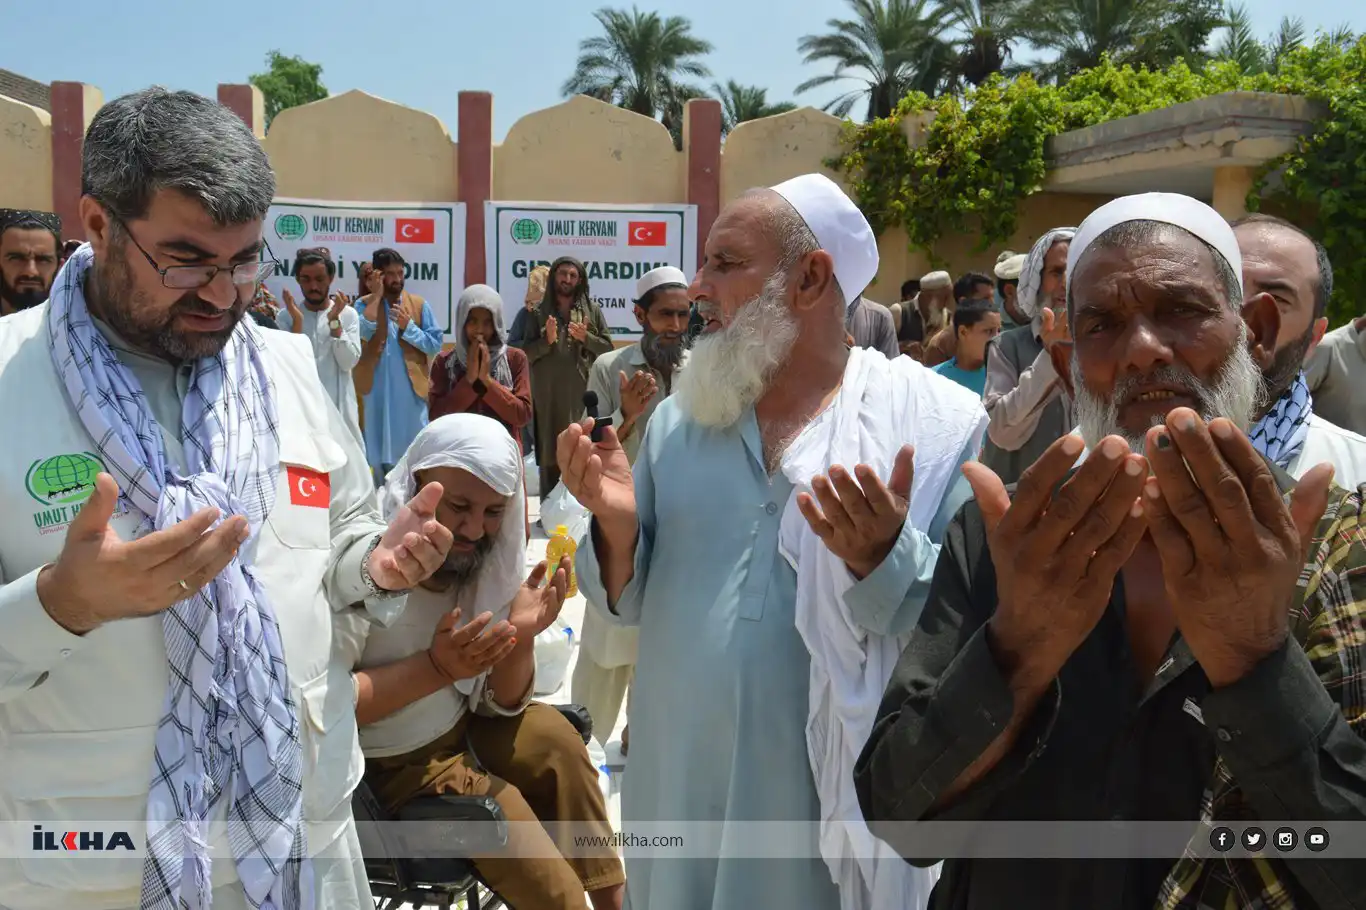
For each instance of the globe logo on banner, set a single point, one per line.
(526, 230)
(291, 227)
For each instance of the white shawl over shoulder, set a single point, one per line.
(882, 405)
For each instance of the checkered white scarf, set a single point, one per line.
(230, 729)
(1280, 435)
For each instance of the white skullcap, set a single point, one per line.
(1008, 269)
(1168, 208)
(656, 278)
(936, 281)
(1005, 254)
(839, 226)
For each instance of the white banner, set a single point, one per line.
(616, 243)
(430, 236)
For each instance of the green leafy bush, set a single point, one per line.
(984, 152)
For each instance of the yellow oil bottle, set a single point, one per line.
(560, 546)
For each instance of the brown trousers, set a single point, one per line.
(536, 767)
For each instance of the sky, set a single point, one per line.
(422, 53)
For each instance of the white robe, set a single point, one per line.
(881, 406)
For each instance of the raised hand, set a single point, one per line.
(578, 331)
(339, 302)
(99, 578)
(1232, 549)
(485, 363)
(597, 474)
(636, 392)
(468, 651)
(413, 546)
(1053, 328)
(295, 315)
(475, 369)
(534, 608)
(552, 330)
(374, 282)
(399, 313)
(860, 525)
(1056, 554)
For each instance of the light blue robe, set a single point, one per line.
(720, 698)
(394, 415)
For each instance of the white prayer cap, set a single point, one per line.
(936, 281)
(1168, 208)
(656, 278)
(1005, 254)
(839, 226)
(1008, 269)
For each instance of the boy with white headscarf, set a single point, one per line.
(454, 677)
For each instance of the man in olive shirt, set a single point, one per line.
(1128, 647)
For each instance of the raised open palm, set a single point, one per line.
(597, 474)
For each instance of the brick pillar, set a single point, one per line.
(247, 102)
(73, 106)
(474, 173)
(1231, 186)
(702, 144)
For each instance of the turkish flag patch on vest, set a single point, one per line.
(309, 488)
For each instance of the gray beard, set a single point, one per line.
(1235, 394)
(663, 357)
(729, 370)
(460, 569)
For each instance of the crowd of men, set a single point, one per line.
(1077, 542)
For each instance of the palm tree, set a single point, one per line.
(745, 102)
(640, 62)
(1150, 32)
(1241, 46)
(894, 48)
(989, 30)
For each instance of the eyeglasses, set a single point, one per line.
(191, 277)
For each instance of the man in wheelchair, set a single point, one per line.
(444, 703)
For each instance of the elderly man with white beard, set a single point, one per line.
(1171, 632)
(774, 549)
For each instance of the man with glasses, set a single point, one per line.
(29, 249)
(198, 512)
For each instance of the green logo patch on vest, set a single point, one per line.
(63, 480)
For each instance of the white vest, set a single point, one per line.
(78, 745)
(1328, 442)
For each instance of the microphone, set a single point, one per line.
(590, 406)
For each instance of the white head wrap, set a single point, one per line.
(483, 447)
(1168, 208)
(1031, 273)
(839, 228)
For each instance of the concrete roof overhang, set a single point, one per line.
(1178, 149)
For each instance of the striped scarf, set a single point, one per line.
(1280, 435)
(230, 730)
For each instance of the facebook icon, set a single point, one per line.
(1221, 840)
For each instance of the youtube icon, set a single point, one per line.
(647, 233)
(414, 230)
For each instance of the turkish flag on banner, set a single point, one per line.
(647, 233)
(309, 488)
(414, 230)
